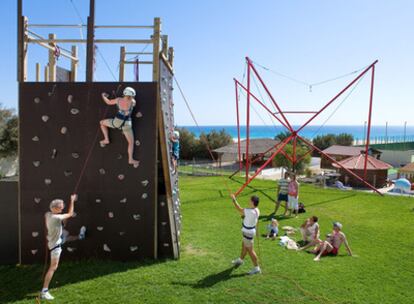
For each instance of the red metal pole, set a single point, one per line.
(268, 93)
(297, 112)
(334, 161)
(238, 126)
(336, 97)
(263, 105)
(371, 96)
(294, 153)
(248, 122)
(264, 165)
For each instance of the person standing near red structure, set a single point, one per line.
(293, 196)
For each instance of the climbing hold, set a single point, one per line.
(136, 165)
(138, 115)
(137, 143)
(34, 251)
(136, 217)
(106, 248)
(123, 201)
(35, 138)
(110, 214)
(36, 163)
(98, 200)
(35, 234)
(37, 200)
(119, 156)
(70, 98)
(45, 118)
(145, 183)
(99, 228)
(133, 248)
(163, 223)
(166, 245)
(54, 154)
(75, 155)
(102, 171)
(74, 111)
(144, 196)
(67, 173)
(121, 176)
(74, 214)
(162, 204)
(63, 130)
(37, 100)
(48, 181)
(71, 249)
(121, 233)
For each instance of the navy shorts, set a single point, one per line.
(282, 197)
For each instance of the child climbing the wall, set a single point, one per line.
(250, 218)
(54, 224)
(175, 153)
(122, 121)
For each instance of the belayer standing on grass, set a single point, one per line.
(121, 121)
(54, 220)
(293, 196)
(282, 193)
(250, 218)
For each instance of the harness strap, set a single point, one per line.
(247, 237)
(248, 228)
(57, 246)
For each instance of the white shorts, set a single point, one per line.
(293, 202)
(248, 237)
(55, 253)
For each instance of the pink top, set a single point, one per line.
(293, 188)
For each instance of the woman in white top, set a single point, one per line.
(250, 218)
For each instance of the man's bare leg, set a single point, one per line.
(325, 246)
(130, 139)
(253, 256)
(105, 133)
(49, 274)
(277, 207)
(243, 252)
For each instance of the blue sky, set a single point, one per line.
(308, 40)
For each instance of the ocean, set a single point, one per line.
(378, 133)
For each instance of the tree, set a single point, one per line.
(212, 140)
(8, 132)
(282, 135)
(188, 143)
(324, 141)
(345, 139)
(280, 160)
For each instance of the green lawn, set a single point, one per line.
(379, 229)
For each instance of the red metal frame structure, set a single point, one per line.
(294, 137)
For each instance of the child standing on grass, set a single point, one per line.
(293, 196)
(250, 218)
(273, 229)
(54, 224)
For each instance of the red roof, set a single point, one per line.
(357, 163)
(343, 150)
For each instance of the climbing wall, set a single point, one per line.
(169, 214)
(59, 127)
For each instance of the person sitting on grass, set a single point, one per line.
(310, 232)
(122, 121)
(54, 225)
(293, 196)
(282, 193)
(250, 218)
(333, 243)
(175, 150)
(272, 230)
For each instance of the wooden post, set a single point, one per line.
(74, 64)
(25, 45)
(164, 39)
(156, 50)
(122, 64)
(46, 73)
(52, 59)
(37, 72)
(90, 44)
(20, 39)
(171, 56)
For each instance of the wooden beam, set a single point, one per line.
(37, 72)
(171, 56)
(20, 38)
(46, 75)
(164, 39)
(156, 49)
(52, 59)
(90, 45)
(25, 49)
(122, 64)
(74, 64)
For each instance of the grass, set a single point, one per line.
(380, 232)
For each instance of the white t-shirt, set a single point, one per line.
(54, 229)
(251, 216)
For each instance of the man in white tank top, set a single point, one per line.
(250, 218)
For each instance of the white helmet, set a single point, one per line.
(176, 134)
(128, 91)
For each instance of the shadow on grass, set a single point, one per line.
(24, 282)
(254, 190)
(342, 197)
(213, 279)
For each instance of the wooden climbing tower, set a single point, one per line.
(130, 213)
